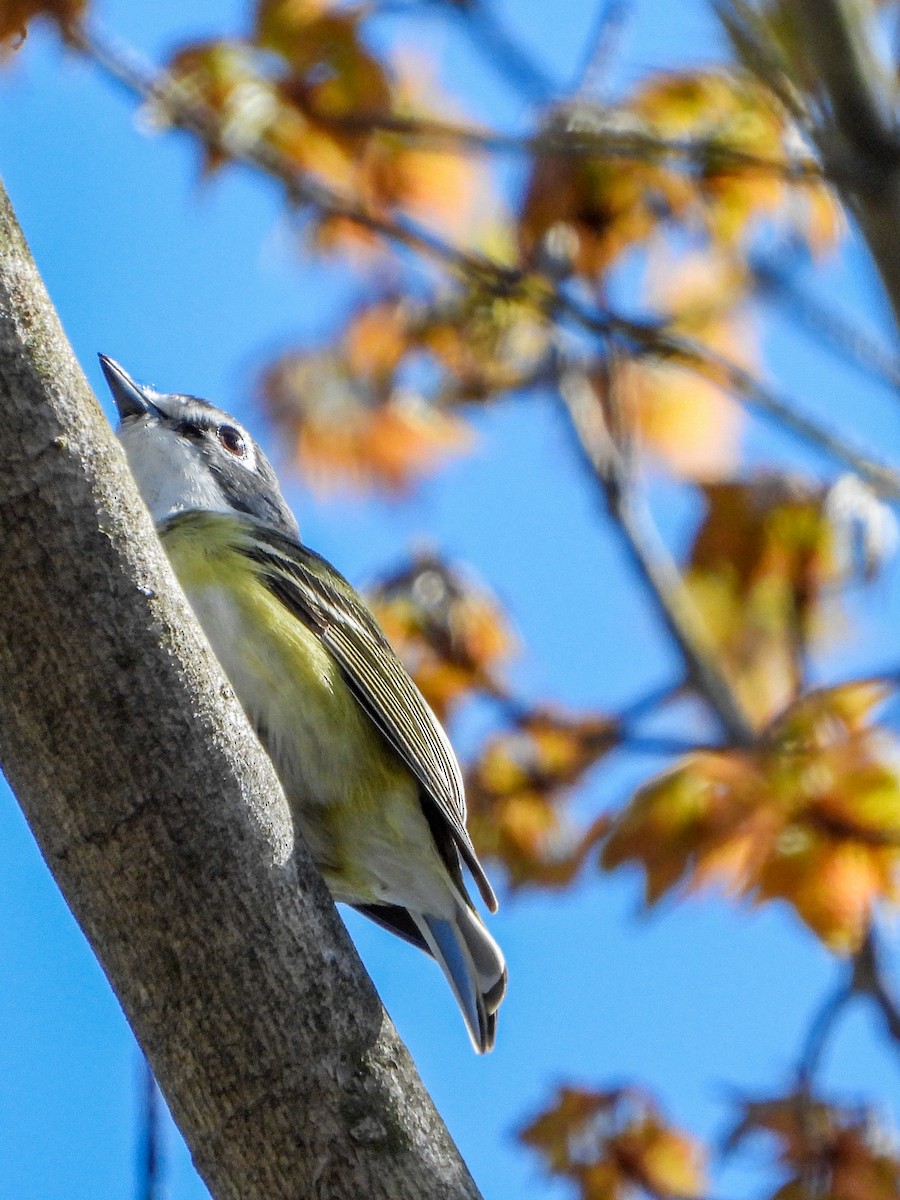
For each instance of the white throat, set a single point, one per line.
(170, 474)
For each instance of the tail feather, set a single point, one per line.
(474, 966)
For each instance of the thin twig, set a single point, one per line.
(654, 340)
(577, 139)
(680, 614)
(834, 328)
(638, 709)
(602, 46)
(660, 745)
(149, 1158)
(622, 735)
(869, 979)
(603, 457)
(815, 1168)
(820, 1031)
(491, 37)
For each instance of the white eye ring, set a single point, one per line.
(232, 440)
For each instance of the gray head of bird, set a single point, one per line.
(186, 454)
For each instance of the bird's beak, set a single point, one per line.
(131, 399)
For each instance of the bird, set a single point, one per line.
(370, 776)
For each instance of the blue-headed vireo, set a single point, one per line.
(370, 776)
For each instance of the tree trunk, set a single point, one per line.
(162, 821)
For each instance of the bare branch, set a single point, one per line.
(602, 46)
(820, 1031)
(600, 454)
(639, 144)
(492, 39)
(869, 979)
(656, 341)
(836, 329)
(859, 123)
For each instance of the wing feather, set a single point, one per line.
(320, 597)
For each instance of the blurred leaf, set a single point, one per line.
(16, 14)
(824, 1152)
(308, 86)
(810, 816)
(607, 205)
(220, 76)
(597, 207)
(614, 1145)
(376, 339)
(349, 430)
(487, 343)
(687, 422)
(518, 788)
(445, 191)
(450, 632)
(762, 564)
(330, 72)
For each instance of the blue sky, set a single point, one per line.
(193, 286)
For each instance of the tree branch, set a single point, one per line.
(834, 328)
(655, 340)
(162, 821)
(597, 446)
(859, 124)
(869, 980)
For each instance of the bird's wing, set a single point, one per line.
(320, 597)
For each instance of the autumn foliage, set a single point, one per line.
(674, 194)
(616, 1144)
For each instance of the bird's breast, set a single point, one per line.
(352, 796)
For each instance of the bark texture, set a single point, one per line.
(161, 819)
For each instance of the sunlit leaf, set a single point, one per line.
(688, 422)
(518, 790)
(731, 175)
(486, 343)
(761, 568)
(219, 78)
(615, 1144)
(810, 816)
(602, 207)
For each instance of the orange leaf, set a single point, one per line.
(612, 1143)
(762, 563)
(517, 789)
(347, 430)
(450, 632)
(810, 816)
(15, 16)
(845, 1151)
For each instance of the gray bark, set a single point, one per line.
(162, 821)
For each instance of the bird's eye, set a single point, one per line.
(233, 440)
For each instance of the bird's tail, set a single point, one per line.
(473, 964)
